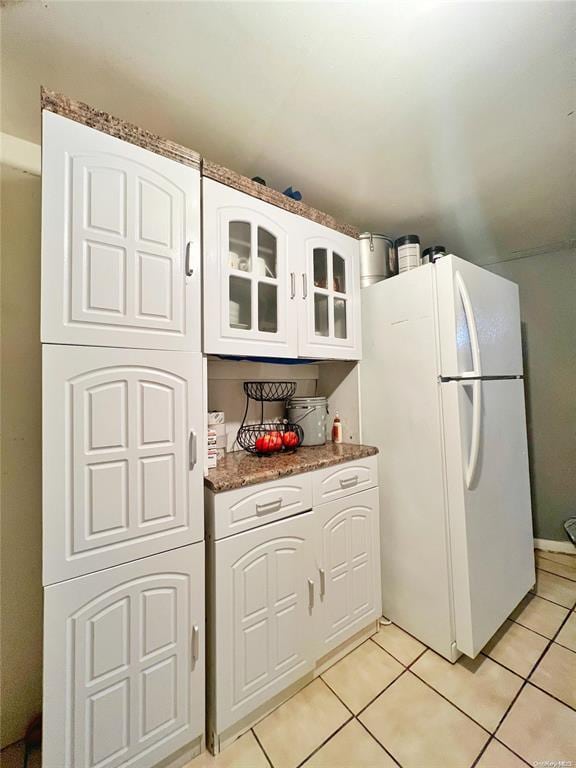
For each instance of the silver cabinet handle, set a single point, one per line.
(310, 594)
(304, 286)
(195, 643)
(272, 506)
(292, 285)
(188, 268)
(192, 451)
(322, 582)
(349, 482)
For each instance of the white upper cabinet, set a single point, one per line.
(330, 310)
(124, 663)
(275, 284)
(248, 285)
(122, 441)
(120, 242)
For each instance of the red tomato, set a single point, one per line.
(276, 441)
(290, 439)
(275, 435)
(264, 444)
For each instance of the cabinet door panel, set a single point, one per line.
(117, 478)
(121, 686)
(349, 566)
(117, 223)
(330, 309)
(248, 274)
(264, 615)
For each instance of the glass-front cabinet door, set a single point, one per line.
(330, 289)
(249, 289)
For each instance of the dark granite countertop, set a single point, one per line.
(239, 468)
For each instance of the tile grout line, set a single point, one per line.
(553, 573)
(390, 755)
(408, 668)
(530, 628)
(323, 744)
(523, 686)
(334, 692)
(261, 747)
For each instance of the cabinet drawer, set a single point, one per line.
(244, 508)
(344, 479)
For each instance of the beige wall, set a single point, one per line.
(547, 283)
(20, 523)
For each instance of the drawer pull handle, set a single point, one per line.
(322, 582)
(310, 594)
(271, 506)
(349, 482)
(292, 285)
(195, 643)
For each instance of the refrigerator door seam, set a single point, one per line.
(442, 437)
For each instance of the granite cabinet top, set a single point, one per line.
(239, 469)
(133, 134)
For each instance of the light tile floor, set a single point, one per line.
(394, 702)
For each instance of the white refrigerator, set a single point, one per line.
(443, 399)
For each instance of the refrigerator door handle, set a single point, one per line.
(476, 428)
(471, 323)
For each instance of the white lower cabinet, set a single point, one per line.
(284, 594)
(347, 554)
(124, 663)
(265, 592)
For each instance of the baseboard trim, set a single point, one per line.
(549, 545)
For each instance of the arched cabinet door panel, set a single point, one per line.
(349, 568)
(330, 310)
(124, 663)
(123, 475)
(120, 242)
(264, 580)
(249, 275)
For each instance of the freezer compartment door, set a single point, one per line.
(478, 321)
(489, 508)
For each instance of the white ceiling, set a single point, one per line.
(451, 120)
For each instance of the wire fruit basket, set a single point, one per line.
(269, 437)
(270, 391)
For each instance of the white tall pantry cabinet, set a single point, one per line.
(123, 469)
